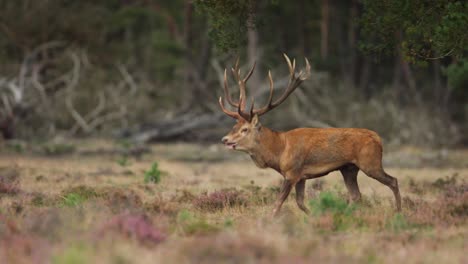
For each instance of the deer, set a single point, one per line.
(302, 153)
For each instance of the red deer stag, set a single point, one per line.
(303, 153)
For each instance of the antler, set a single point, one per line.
(294, 82)
(242, 95)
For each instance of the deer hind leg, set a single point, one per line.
(370, 162)
(376, 172)
(349, 173)
(300, 188)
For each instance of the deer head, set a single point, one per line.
(244, 134)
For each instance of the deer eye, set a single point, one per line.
(244, 130)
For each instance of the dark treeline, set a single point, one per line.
(86, 67)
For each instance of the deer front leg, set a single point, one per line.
(284, 192)
(290, 180)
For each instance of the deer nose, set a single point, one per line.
(224, 140)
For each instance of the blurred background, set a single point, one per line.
(151, 70)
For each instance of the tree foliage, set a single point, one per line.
(229, 20)
(424, 30)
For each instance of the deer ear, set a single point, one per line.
(254, 121)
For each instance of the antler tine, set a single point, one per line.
(293, 83)
(270, 98)
(227, 95)
(291, 69)
(247, 77)
(227, 112)
(242, 95)
(307, 72)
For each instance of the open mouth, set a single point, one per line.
(230, 145)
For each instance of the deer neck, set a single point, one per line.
(268, 150)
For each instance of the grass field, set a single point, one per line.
(95, 201)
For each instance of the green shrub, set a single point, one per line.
(57, 149)
(76, 196)
(190, 225)
(73, 199)
(76, 254)
(397, 222)
(153, 175)
(123, 161)
(330, 202)
(341, 212)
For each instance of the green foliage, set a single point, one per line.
(332, 203)
(76, 196)
(457, 74)
(123, 161)
(16, 146)
(398, 222)
(229, 20)
(422, 30)
(153, 175)
(73, 200)
(39, 200)
(75, 254)
(443, 183)
(57, 149)
(228, 222)
(190, 225)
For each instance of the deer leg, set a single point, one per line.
(300, 187)
(285, 190)
(350, 178)
(381, 176)
(370, 162)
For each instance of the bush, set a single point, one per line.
(398, 222)
(76, 196)
(57, 149)
(190, 225)
(9, 181)
(334, 210)
(75, 254)
(136, 226)
(153, 175)
(330, 202)
(219, 199)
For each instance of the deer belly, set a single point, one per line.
(321, 169)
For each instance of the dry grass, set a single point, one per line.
(90, 207)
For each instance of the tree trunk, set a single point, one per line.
(301, 25)
(352, 32)
(324, 30)
(188, 45)
(253, 52)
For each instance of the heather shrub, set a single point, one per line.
(398, 222)
(219, 200)
(135, 226)
(118, 199)
(9, 181)
(229, 248)
(262, 196)
(189, 224)
(161, 206)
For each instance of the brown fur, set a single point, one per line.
(307, 153)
